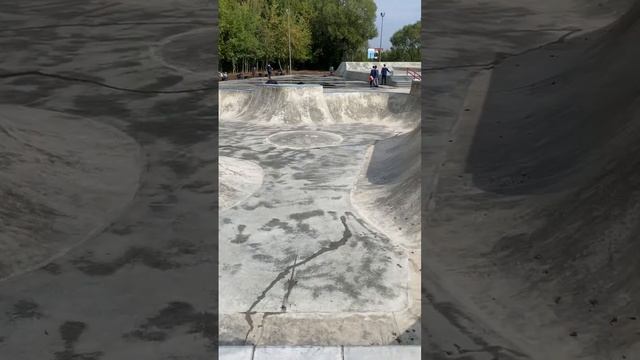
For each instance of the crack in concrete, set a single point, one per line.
(364, 225)
(503, 56)
(98, 83)
(290, 284)
(334, 245)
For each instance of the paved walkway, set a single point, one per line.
(320, 353)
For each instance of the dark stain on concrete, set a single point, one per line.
(176, 314)
(146, 335)
(240, 237)
(121, 229)
(149, 257)
(306, 215)
(300, 217)
(205, 324)
(259, 204)
(52, 268)
(233, 269)
(182, 247)
(249, 156)
(183, 165)
(201, 187)
(277, 223)
(25, 309)
(70, 333)
(263, 257)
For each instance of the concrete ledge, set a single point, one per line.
(319, 353)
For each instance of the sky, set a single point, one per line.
(398, 13)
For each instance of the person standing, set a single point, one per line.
(269, 71)
(376, 76)
(372, 76)
(384, 73)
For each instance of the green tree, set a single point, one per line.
(279, 24)
(405, 44)
(339, 28)
(323, 33)
(238, 29)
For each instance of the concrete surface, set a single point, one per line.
(235, 353)
(108, 150)
(237, 180)
(530, 182)
(287, 353)
(399, 352)
(299, 263)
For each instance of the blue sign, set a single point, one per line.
(371, 54)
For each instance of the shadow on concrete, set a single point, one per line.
(557, 143)
(552, 116)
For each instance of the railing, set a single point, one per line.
(415, 75)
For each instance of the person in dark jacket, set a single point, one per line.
(269, 70)
(384, 73)
(373, 77)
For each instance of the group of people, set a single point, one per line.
(373, 76)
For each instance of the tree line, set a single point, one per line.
(323, 33)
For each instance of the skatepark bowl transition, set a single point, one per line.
(531, 186)
(319, 213)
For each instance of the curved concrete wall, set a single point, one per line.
(388, 191)
(534, 222)
(582, 237)
(308, 104)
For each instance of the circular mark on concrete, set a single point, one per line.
(63, 179)
(304, 139)
(191, 52)
(238, 180)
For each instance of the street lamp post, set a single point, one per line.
(381, 26)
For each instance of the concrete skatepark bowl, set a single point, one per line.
(530, 180)
(107, 182)
(315, 255)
